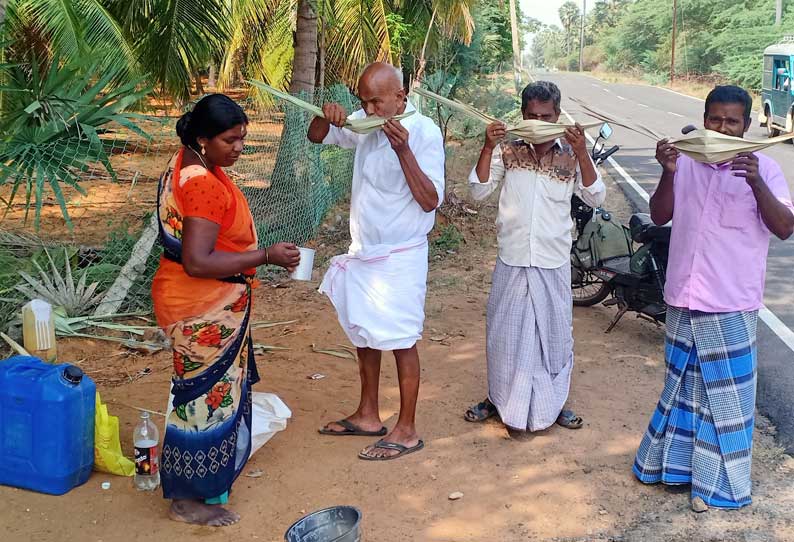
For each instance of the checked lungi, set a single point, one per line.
(702, 430)
(529, 344)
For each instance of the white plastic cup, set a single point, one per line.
(304, 269)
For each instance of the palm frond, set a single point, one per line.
(175, 38)
(456, 19)
(358, 33)
(77, 28)
(260, 45)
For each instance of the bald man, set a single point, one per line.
(378, 287)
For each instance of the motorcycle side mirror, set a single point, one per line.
(606, 131)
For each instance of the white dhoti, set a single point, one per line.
(379, 294)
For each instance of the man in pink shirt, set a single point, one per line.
(723, 214)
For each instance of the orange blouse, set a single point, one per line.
(196, 192)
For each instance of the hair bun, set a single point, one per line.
(183, 125)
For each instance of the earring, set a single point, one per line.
(203, 150)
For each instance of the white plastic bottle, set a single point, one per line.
(147, 459)
(38, 330)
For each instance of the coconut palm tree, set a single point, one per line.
(260, 44)
(434, 22)
(357, 32)
(339, 35)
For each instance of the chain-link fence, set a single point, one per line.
(289, 182)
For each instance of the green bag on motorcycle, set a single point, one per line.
(602, 239)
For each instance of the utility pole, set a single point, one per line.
(516, 44)
(581, 37)
(672, 55)
(778, 12)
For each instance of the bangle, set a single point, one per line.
(267, 257)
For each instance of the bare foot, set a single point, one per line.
(363, 423)
(409, 439)
(198, 513)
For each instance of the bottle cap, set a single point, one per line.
(73, 375)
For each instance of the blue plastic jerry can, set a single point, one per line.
(46, 425)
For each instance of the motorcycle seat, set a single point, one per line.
(643, 230)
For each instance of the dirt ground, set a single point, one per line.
(557, 485)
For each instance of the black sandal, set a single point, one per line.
(383, 445)
(481, 412)
(351, 429)
(570, 420)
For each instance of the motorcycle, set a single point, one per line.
(609, 260)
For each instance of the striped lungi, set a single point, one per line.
(529, 344)
(702, 430)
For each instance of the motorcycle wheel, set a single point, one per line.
(590, 291)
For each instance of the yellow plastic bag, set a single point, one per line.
(107, 448)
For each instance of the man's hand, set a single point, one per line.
(284, 255)
(397, 135)
(335, 114)
(667, 155)
(746, 165)
(494, 134)
(575, 138)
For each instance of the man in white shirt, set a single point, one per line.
(529, 317)
(378, 287)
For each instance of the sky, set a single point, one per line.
(546, 11)
(543, 10)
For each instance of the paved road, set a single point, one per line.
(667, 112)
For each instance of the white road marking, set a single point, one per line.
(643, 105)
(606, 90)
(682, 94)
(676, 114)
(775, 324)
(620, 97)
(596, 86)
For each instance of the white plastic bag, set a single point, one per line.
(269, 416)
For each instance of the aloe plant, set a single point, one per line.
(60, 289)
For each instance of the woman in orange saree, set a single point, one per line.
(202, 300)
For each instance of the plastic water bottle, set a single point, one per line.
(147, 460)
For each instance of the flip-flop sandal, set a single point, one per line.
(570, 420)
(481, 412)
(351, 430)
(383, 445)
